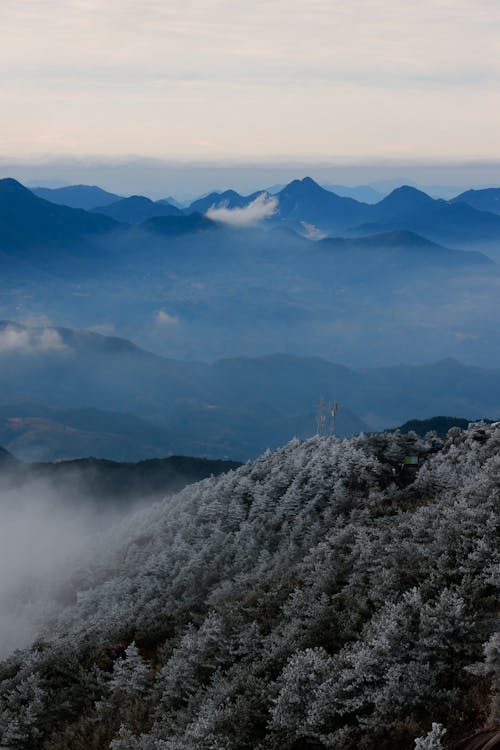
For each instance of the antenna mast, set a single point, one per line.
(333, 411)
(321, 418)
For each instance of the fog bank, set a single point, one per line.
(44, 539)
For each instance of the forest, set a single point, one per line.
(335, 593)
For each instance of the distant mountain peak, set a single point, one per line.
(230, 194)
(141, 200)
(136, 209)
(298, 185)
(407, 194)
(10, 185)
(309, 182)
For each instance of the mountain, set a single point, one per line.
(326, 595)
(77, 196)
(136, 209)
(36, 432)
(195, 294)
(93, 371)
(439, 220)
(195, 408)
(402, 202)
(228, 199)
(29, 224)
(306, 206)
(102, 481)
(64, 390)
(305, 202)
(484, 200)
(310, 209)
(231, 408)
(233, 199)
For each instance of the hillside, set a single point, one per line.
(36, 432)
(102, 482)
(325, 595)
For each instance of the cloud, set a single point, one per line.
(324, 68)
(164, 319)
(38, 537)
(312, 232)
(263, 207)
(46, 534)
(27, 341)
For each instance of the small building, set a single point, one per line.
(410, 461)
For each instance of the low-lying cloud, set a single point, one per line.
(165, 319)
(39, 537)
(311, 232)
(47, 535)
(27, 341)
(263, 207)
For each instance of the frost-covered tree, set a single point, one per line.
(22, 714)
(127, 692)
(432, 740)
(298, 684)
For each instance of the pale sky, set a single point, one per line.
(214, 79)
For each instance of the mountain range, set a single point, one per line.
(304, 202)
(462, 220)
(193, 287)
(115, 400)
(28, 222)
(90, 196)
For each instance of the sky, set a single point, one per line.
(344, 81)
